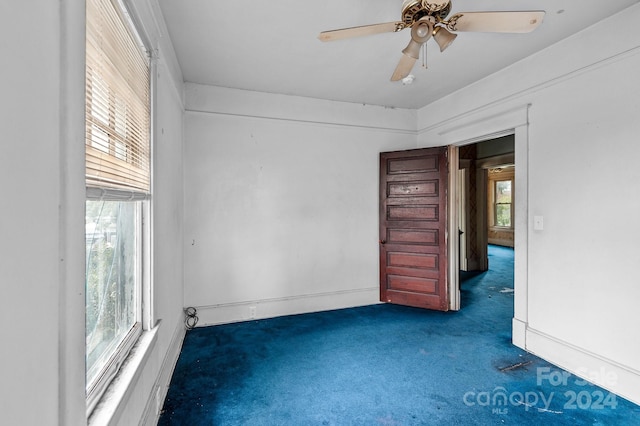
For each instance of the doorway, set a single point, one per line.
(480, 124)
(486, 199)
(427, 237)
(486, 219)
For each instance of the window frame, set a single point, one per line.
(144, 289)
(96, 389)
(495, 176)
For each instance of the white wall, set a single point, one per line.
(278, 186)
(281, 201)
(42, 218)
(31, 248)
(576, 285)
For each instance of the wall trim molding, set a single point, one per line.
(324, 123)
(224, 101)
(156, 398)
(481, 124)
(606, 373)
(530, 89)
(225, 313)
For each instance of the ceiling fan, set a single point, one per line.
(429, 18)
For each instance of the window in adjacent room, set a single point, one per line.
(501, 186)
(117, 146)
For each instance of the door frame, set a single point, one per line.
(476, 126)
(452, 229)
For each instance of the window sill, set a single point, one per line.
(111, 404)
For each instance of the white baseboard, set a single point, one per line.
(610, 375)
(155, 401)
(519, 333)
(269, 308)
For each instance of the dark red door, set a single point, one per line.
(413, 224)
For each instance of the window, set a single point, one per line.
(501, 194)
(117, 156)
(112, 276)
(503, 203)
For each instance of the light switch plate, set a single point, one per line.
(538, 223)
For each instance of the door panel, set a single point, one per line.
(413, 223)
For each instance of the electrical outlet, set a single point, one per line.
(252, 311)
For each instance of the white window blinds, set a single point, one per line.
(118, 101)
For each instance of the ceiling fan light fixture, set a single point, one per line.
(429, 18)
(443, 37)
(421, 30)
(420, 33)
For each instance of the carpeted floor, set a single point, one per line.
(384, 365)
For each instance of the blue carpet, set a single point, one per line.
(384, 365)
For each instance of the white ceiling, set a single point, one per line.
(272, 46)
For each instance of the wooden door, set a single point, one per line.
(413, 226)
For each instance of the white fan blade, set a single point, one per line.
(404, 68)
(496, 22)
(387, 27)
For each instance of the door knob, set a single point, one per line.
(383, 241)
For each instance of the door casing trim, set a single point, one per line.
(479, 126)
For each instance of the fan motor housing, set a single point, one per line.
(413, 10)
